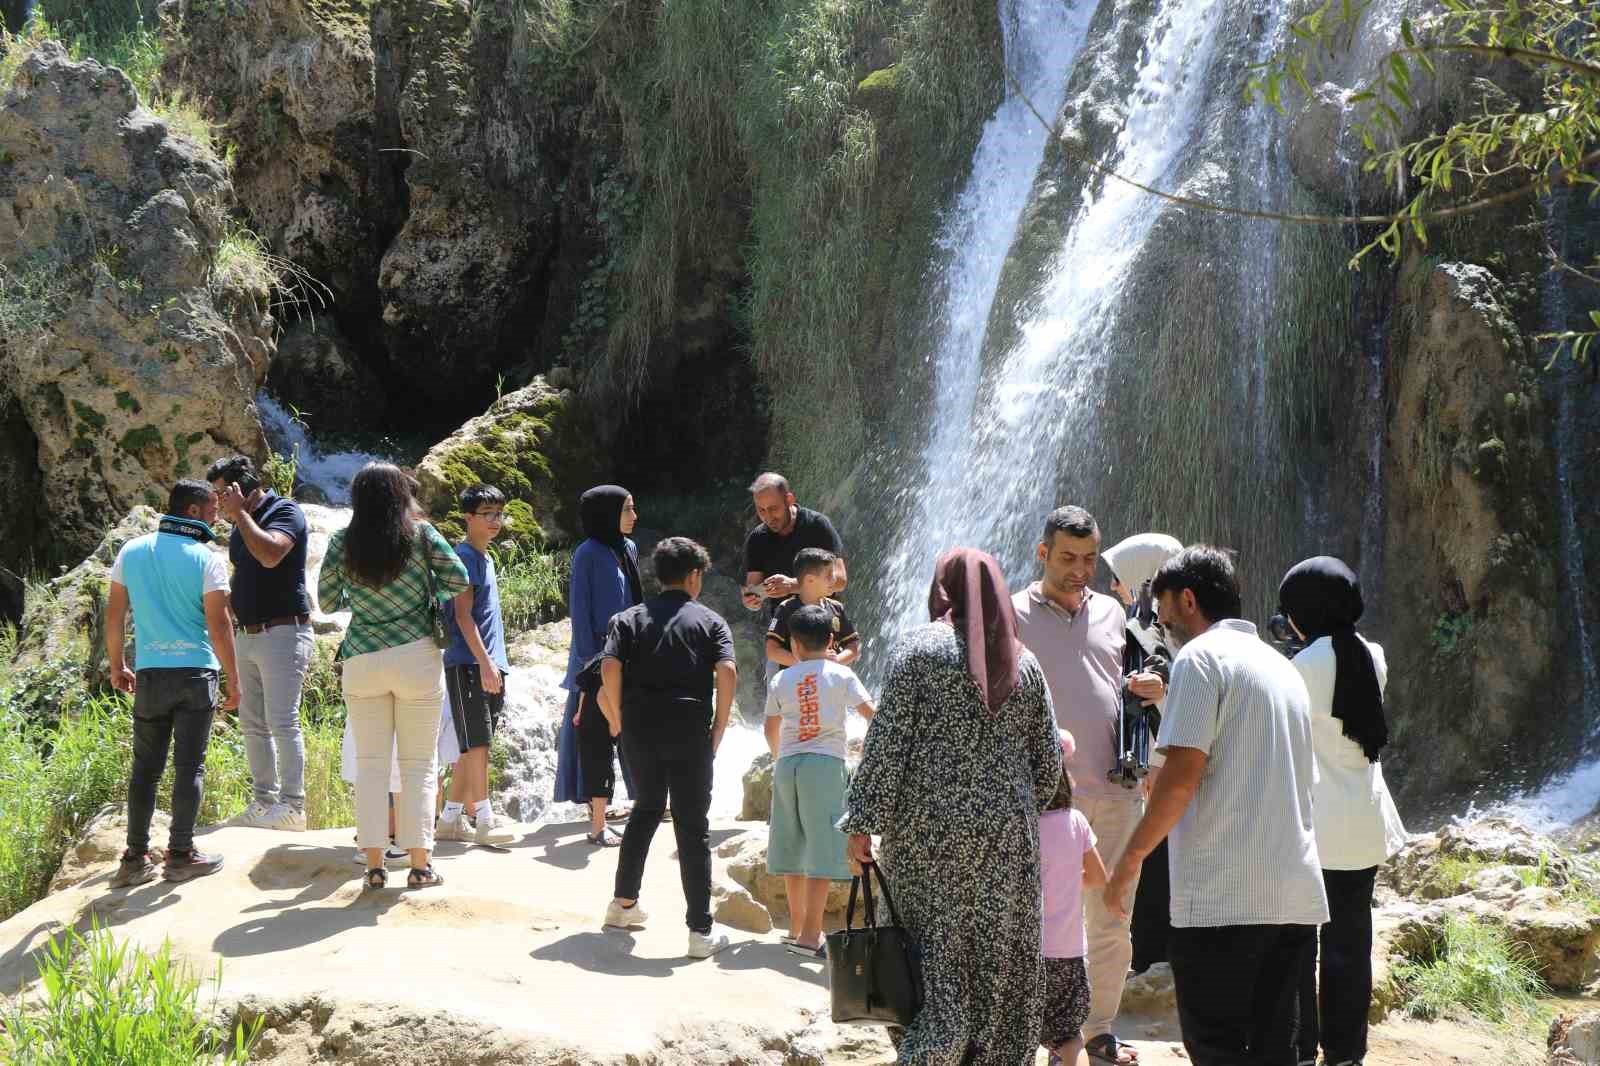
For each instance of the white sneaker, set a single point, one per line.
(451, 829)
(256, 816)
(620, 917)
(493, 832)
(283, 817)
(705, 945)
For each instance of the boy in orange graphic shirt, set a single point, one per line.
(807, 705)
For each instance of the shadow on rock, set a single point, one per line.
(296, 928)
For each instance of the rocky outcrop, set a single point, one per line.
(101, 844)
(747, 865)
(118, 356)
(757, 805)
(319, 372)
(1575, 1040)
(531, 444)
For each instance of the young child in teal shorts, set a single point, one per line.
(807, 705)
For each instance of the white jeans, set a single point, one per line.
(1110, 944)
(393, 699)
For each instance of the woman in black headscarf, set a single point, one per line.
(1357, 826)
(605, 581)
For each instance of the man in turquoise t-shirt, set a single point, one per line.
(178, 591)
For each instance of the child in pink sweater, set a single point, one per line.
(1069, 864)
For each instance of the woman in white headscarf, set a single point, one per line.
(1133, 563)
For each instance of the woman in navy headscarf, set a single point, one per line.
(605, 581)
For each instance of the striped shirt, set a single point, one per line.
(1245, 851)
(397, 613)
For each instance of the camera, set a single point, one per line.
(1283, 637)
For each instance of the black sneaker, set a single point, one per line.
(136, 869)
(188, 865)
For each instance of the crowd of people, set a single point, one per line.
(1063, 785)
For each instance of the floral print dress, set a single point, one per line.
(955, 792)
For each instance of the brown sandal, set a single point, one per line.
(423, 877)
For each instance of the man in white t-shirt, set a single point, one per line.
(1235, 797)
(807, 705)
(177, 588)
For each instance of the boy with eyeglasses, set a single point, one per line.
(475, 668)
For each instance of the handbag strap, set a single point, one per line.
(883, 882)
(863, 884)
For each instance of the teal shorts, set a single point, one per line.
(807, 799)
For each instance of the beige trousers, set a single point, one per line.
(1110, 943)
(393, 698)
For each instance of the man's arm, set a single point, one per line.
(727, 686)
(488, 672)
(122, 678)
(269, 546)
(1174, 791)
(841, 576)
(217, 624)
(611, 693)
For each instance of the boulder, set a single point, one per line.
(736, 907)
(1484, 857)
(127, 358)
(757, 806)
(101, 843)
(1151, 992)
(747, 864)
(1575, 1040)
(531, 446)
(1561, 937)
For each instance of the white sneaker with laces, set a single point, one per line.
(620, 917)
(492, 831)
(283, 817)
(451, 829)
(705, 945)
(256, 816)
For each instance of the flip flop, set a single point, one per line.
(1108, 1049)
(606, 838)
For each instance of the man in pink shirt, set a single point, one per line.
(1077, 635)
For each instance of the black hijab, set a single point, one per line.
(600, 511)
(1323, 597)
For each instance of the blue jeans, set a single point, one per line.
(272, 669)
(171, 706)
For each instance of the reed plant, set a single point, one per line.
(1475, 969)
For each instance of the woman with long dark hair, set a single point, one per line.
(960, 759)
(394, 572)
(1357, 826)
(605, 581)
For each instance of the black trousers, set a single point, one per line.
(1338, 1018)
(171, 707)
(597, 749)
(1152, 911)
(1238, 1001)
(681, 770)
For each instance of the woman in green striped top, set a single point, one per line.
(384, 568)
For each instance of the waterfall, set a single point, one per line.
(327, 474)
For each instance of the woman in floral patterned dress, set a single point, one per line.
(960, 759)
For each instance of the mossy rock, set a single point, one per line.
(532, 444)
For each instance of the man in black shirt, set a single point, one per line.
(273, 612)
(785, 529)
(662, 661)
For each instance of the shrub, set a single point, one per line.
(115, 1004)
(533, 584)
(1477, 969)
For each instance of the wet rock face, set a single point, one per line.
(128, 363)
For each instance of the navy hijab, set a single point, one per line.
(600, 512)
(1323, 597)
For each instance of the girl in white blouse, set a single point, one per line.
(1357, 826)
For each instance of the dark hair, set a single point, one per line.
(188, 493)
(1073, 521)
(383, 525)
(232, 468)
(811, 561)
(1206, 571)
(676, 558)
(811, 627)
(478, 495)
(1062, 800)
(768, 481)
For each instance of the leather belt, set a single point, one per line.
(286, 620)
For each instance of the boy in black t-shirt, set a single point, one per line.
(814, 569)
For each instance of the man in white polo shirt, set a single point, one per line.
(1234, 798)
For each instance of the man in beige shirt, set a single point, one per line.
(1077, 635)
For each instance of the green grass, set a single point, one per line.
(115, 1004)
(533, 585)
(1477, 970)
(1449, 874)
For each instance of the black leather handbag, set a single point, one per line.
(874, 972)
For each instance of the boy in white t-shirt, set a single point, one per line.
(807, 705)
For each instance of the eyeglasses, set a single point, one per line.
(493, 516)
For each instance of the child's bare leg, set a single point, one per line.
(597, 815)
(816, 892)
(795, 886)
